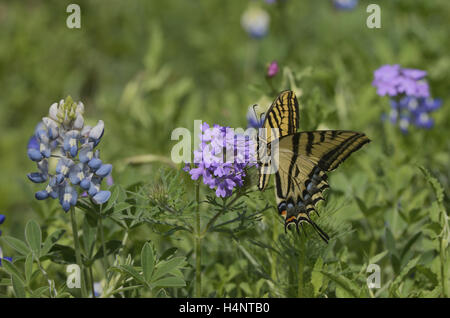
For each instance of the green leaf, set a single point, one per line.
(409, 244)
(170, 282)
(317, 277)
(148, 261)
(111, 247)
(51, 240)
(12, 270)
(33, 236)
(37, 293)
(400, 277)
(18, 286)
(17, 244)
(28, 268)
(133, 273)
(344, 283)
(62, 254)
(390, 241)
(375, 259)
(166, 266)
(168, 253)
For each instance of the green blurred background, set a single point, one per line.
(146, 67)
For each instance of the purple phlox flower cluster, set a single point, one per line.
(255, 22)
(2, 219)
(64, 149)
(413, 111)
(393, 80)
(272, 69)
(409, 93)
(345, 4)
(222, 159)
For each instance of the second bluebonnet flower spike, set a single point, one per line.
(62, 136)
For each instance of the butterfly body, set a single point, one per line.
(302, 160)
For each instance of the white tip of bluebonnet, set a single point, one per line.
(79, 122)
(80, 108)
(101, 197)
(104, 170)
(41, 195)
(53, 111)
(35, 154)
(97, 131)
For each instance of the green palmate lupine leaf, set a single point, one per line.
(12, 270)
(33, 236)
(37, 293)
(18, 286)
(62, 254)
(409, 244)
(131, 271)
(350, 287)
(17, 244)
(89, 235)
(51, 240)
(393, 288)
(375, 259)
(317, 276)
(148, 261)
(169, 282)
(121, 206)
(28, 268)
(168, 253)
(111, 247)
(166, 267)
(438, 190)
(390, 241)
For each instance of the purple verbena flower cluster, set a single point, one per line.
(393, 80)
(64, 150)
(409, 95)
(345, 5)
(222, 159)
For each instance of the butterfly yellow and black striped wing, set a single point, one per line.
(282, 115)
(304, 158)
(280, 120)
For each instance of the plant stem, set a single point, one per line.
(102, 239)
(91, 278)
(198, 248)
(301, 269)
(77, 251)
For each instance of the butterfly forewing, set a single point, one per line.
(280, 120)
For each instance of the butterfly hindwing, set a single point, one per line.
(304, 158)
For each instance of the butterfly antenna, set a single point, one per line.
(254, 111)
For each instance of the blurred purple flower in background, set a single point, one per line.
(273, 69)
(222, 159)
(393, 80)
(409, 96)
(255, 22)
(345, 4)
